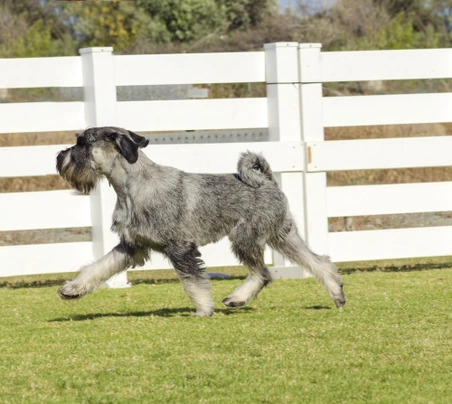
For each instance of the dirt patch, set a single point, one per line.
(380, 222)
(46, 236)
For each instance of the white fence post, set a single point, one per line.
(312, 130)
(283, 97)
(100, 110)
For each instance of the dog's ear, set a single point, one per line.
(139, 140)
(128, 147)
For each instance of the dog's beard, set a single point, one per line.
(84, 182)
(77, 171)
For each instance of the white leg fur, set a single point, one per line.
(245, 292)
(91, 276)
(198, 290)
(294, 248)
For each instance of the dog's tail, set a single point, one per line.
(254, 170)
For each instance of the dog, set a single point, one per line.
(163, 209)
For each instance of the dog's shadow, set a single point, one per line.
(179, 312)
(317, 307)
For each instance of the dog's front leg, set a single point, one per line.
(185, 258)
(91, 276)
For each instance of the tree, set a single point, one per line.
(113, 23)
(248, 14)
(187, 20)
(27, 30)
(195, 25)
(380, 24)
(431, 19)
(398, 34)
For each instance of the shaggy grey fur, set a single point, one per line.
(166, 210)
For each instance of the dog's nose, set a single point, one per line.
(60, 159)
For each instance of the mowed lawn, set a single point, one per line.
(391, 343)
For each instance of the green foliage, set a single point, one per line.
(397, 6)
(23, 36)
(389, 344)
(195, 21)
(37, 41)
(144, 25)
(246, 14)
(187, 20)
(399, 34)
(431, 19)
(114, 23)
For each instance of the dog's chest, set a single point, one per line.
(143, 221)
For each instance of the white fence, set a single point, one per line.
(295, 113)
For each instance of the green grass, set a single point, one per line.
(391, 343)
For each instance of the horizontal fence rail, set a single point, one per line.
(390, 244)
(25, 161)
(41, 72)
(45, 258)
(372, 154)
(386, 65)
(387, 109)
(193, 114)
(42, 117)
(365, 200)
(76, 211)
(210, 68)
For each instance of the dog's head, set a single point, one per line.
(94, 154)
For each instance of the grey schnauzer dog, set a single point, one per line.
(172, 212)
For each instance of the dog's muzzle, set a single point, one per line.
(74, 166)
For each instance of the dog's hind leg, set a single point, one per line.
(91, 276)
(251, 253)
(185, 258)
(291, 245)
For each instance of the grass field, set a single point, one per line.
(391, 343)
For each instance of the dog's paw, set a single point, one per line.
(204, 312)
(230, 301)
(72, 290)
(339, 298)
(340, 301)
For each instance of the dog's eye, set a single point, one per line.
(111, 137)
(81, 141)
